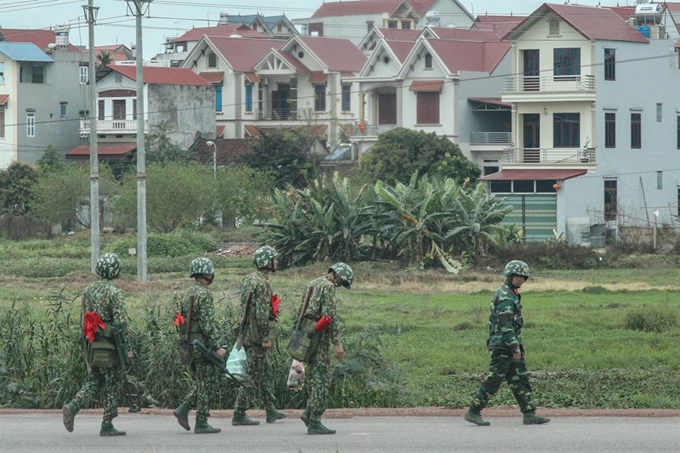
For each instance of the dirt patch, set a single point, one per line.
(237, 251)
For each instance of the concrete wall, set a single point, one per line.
(8, 143)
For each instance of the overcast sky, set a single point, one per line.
(173, 17)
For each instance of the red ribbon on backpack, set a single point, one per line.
(90, 324)
(276, 300)
(323, 323)
(179, 320)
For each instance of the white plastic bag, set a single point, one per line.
(236, 363)
(296, 375)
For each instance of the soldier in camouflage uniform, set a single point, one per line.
(507, 350)
(206, 376)
(259, 332)
(104, 302)
(322, 308)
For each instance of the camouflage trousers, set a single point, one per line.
(515, 374)
(318, 382)
(258, 371)
(205, 388)
(100, 381)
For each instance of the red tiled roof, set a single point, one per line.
(591, 22)
(219, 130)
(318, 130)
(212, 77)
(221, 31)
(252, 77)
(102, 150)
(162, 75)
(294, 62)
(3, 99)
(624, 12)
(400, 34)
(465, 34)
(357, 8)
(491, 101)
(401, 49)
(336, 54)
(252, 130)
(41, 38)
(530, 174)
(426, 85)
(227, 150)
(470, 55)
(317, 77)
(674, 7)
(500, 25)
(421, 6)
(243, 54)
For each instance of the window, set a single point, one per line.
(218, 98)
(405, 25)
(30, 125)
(392, 24)
(554, 27)
(659, 112)
(249, 98)
(346, 98)
(62, 108)
(212, 60)
(500, 186)
(2, 72)
(134, 109)
(545, 186)
(636, 130)
(428, 61)
(609, 64)
(293, 101)
(2, 121)
(118, 78)
(83, 74)
(119, 109)
(677, 127)
(522, 186)
(370, 25)
(37, 74)
(101, 110)
(319, 98)
(610, 130)
(279, 28)
(566, 130)
(610, 200)
(428, 107)
(567, 62)
(659, 180)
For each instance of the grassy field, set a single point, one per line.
(431, 326)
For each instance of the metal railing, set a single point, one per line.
(111, 126)
(549, 83)
(285, 114)
(549, 155)
(490, 138)
(368, 130)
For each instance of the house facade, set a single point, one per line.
(595, 126)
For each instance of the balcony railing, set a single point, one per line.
(491, 138)
(111, 126)
(286, 114)
(549, 155)
(368, 130)
(549, 83)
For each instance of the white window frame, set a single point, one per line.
(2, 72)
(84, 72)
(30, 124)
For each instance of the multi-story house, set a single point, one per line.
(43, 94)
(353, 19)
(268, 83)
(176, 96)
(273, 26)
(595, 124)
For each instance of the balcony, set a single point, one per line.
(367, 130)
(286, 114)
(549, 88)
(110, 126)
(491, 138)
(559, 156)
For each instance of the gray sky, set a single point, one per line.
(172, 17)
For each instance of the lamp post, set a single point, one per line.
(211, 143)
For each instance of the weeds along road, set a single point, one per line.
(43, 432)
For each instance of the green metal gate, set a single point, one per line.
(534, 213)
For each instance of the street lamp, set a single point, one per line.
(211, 143)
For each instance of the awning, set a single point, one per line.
(317, 77)
(427, 85)
(491, 101)
(252, 130)
(220, 130)
(213, 77)
(318, 130)
(533, 174)
(3, 99)
(252, 77)
(102, 150)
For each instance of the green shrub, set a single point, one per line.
(180, 243)
(596, 289)
(651, 319)
(545, 255)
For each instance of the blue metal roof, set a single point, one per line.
(20, 51)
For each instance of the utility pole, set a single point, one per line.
(91, 17)
(137, 7)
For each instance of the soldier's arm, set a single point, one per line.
(260, 308)
(506, 315)
(206, 315)
(118, 309)
(328, 309)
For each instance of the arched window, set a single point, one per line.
(428, 61)
(212, 60)
(554, 27)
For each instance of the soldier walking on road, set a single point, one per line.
(259, 315)
(105, 321)
(507, 350)
(195, 318)
(321, 308)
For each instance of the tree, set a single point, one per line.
(401, 152)
(104, 58)
(17, 184)
(160, 148)
(51, 161)
(241, 192)
(285, 154)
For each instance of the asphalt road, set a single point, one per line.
(44, 433)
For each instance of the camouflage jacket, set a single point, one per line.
(106, 299)
(505, 320)
(203, 310)
(322, 303)
(258, 285)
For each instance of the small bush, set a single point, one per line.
(181, 243)
(651, 319)
(546, 255)
(597, 289)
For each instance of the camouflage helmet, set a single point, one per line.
(516, 267)
(201, 266)
(108, 266)
(263, 256)
(345, 273)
